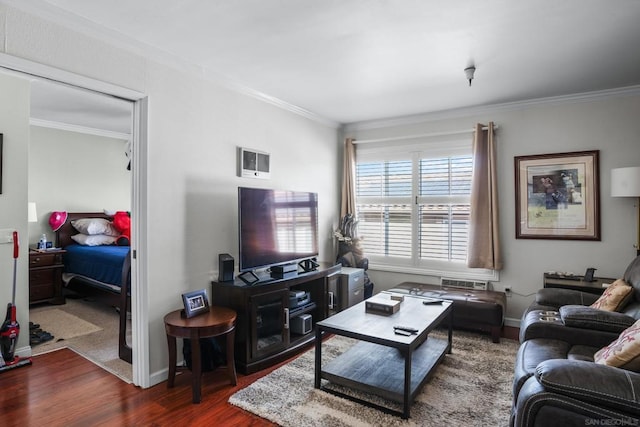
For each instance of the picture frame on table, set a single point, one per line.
(195, 303)
(558, 196)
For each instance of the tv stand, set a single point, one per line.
(265, 312)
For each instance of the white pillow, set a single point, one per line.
(93, 226)
(94, 240)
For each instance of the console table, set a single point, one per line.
(576, 283)
(268, 327)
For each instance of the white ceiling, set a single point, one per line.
(357, 60)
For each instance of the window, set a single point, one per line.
(413, 205)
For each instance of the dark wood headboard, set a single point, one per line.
(64, 233)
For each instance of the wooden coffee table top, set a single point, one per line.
(356, 323)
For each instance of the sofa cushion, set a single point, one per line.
(579, 316)
(582, 352)
(553, 297)
(603, 386)
(623, 352)
(615, 297)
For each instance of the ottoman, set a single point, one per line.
(472, 308)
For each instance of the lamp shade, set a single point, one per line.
(625, 182)
(32, 215)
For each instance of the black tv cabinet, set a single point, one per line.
(264, 315)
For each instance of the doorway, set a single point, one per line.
(28, 70)
(78, 163)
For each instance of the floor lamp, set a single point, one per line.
(625, 182)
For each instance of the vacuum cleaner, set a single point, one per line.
(10, 330)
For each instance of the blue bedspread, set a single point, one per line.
(101, 263)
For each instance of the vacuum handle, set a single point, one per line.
(15, 245)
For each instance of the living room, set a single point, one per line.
(187, 196)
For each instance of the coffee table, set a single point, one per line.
(382, 363)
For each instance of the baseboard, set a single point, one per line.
(158, 377)
(514, 323)
(24, 351)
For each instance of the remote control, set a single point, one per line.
(433, 301)
(405, 328)
(402, 332)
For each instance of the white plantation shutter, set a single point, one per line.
(383, 198)
(413, 206)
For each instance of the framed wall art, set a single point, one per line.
(557, 196)
(195, 303)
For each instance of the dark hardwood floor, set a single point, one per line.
(62, 388)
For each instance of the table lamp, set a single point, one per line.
(625, 182)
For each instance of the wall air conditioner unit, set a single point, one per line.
(253, 163)
(464, 283)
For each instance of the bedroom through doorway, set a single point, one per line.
(79, 161)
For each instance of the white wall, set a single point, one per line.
(609, 124)
(75, 172)
(14, 125)
(194, 128)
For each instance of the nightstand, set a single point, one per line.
(45, 276)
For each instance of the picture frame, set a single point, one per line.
(195, 303)
(558, 196)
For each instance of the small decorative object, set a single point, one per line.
(195, 303)
(558, 196)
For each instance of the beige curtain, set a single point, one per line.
(484, 238)
(348, 204)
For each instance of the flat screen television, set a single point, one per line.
(276, 227)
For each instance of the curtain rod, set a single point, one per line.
(422, 135)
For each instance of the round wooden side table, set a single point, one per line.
(218, 321)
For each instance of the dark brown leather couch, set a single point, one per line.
(556, 381)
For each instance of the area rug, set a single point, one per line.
(88, 327)
(61, 324)
(471, 387)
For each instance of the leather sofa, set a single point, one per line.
(556, 381)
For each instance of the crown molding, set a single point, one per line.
(79, 129)
(493, 108)
(236, 87)
(91, 29)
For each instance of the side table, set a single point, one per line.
(576, 283)
(218, 321)
(45, 276)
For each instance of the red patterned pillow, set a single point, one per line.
(623, 352)
(615, 297)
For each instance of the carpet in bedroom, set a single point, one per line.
(88, 327)
(471, 387)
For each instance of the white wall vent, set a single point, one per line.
(464, 283)
(253, 163)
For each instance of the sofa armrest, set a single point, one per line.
(579, 316)
(590, 382)
(559, 297)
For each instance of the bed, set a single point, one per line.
(101, 272)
